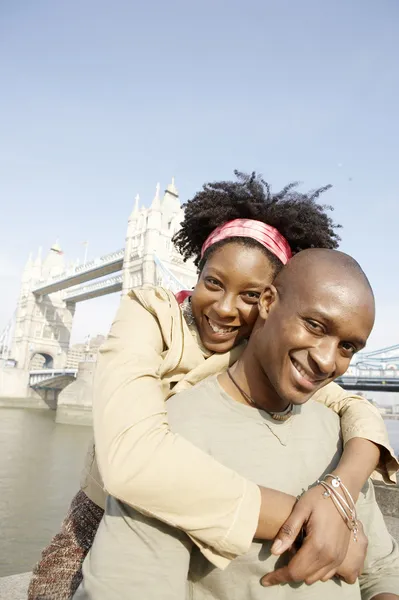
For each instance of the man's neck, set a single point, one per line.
(249, 385)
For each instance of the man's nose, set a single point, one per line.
(325, 356)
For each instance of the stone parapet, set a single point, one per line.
(388, 499)
(75, 401)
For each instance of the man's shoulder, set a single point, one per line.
(201, 399)
(191, 410)
(195, 398)
(320, 411)
(319, 415)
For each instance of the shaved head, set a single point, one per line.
(312, 266)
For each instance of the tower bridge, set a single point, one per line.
(50, 289)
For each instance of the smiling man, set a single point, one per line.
(260, 419)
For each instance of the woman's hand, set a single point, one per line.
(325, 545)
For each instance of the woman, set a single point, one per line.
(152, 351)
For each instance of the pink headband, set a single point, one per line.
(266, 235)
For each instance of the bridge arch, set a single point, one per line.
(41, 360)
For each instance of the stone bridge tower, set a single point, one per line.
(43, 324)
(149, 244)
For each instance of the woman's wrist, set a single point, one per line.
(275, 509)
(358, 461)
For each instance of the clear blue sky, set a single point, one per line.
(100, 100)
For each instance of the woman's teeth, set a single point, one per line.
(218, 329)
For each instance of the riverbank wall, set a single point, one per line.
(74, 402)
(16, 393)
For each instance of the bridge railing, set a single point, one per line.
(103, 284)
(101, 261)
(166, 277)
(37, 376)
(372, 373)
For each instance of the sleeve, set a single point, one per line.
(381, 569)
(147, 466)
(359, 418)
(59, 570)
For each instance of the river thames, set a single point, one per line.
(40, 465)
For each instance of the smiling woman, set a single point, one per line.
(225, 300)
(158, 347)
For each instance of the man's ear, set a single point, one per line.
(267, 298)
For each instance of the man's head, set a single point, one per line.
(317, 315)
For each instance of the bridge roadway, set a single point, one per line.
(51, 379)
(100, 267)
(94, 290)
(370, 380)
(370, 384)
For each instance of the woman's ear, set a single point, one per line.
(267, 298)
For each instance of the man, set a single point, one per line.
(259, 420)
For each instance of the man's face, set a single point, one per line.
(309, 337)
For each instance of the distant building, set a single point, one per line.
(84, 352)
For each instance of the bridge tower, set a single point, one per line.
(43, 324)
(150, 256)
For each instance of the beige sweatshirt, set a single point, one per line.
(151, 354)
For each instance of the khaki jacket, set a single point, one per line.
(150, 354)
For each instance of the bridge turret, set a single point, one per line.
(152, 238)
(170, 205)
(27, 272)
(54, 262)
(134, 215)
(133, 245)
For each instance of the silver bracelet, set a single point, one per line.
(337, 482)
(343, 502)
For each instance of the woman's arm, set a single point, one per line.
(360, 419)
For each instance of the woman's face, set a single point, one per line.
(225, 299)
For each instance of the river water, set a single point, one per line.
(40, 464)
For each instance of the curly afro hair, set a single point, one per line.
(297, 216)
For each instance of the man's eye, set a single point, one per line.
(348, 347)
(314, 326)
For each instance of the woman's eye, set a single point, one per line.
(252, 295)
(213, 282)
